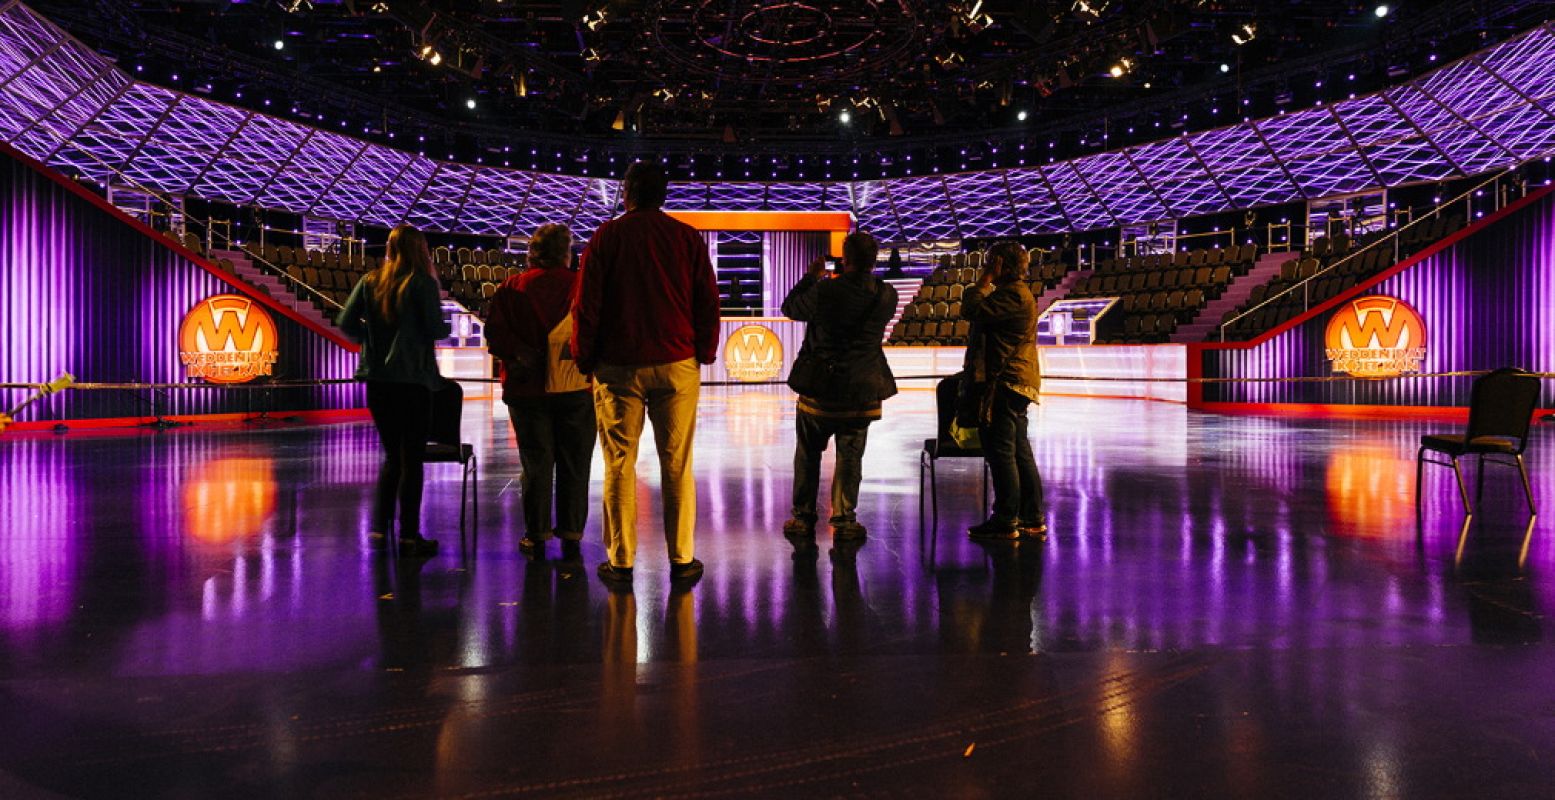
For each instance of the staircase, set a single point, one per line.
(1208, 319)
(1062, 289)
(906, 289)
(244, 268)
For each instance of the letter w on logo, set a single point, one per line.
(223, 329)
(1367, 324)
(749, 349)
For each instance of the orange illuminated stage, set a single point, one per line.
(836, 223)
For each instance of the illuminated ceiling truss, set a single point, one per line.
(69, 107)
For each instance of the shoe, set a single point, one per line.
(614, 575)
(851, 529)
(1031, 530)
(689, 572)
(532, 545)
(799, 526)
(994, 530)
(417, 547)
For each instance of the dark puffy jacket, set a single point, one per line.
(1003, 338)
(846, 319)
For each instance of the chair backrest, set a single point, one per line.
(945, 404)
(447, 414)
(1502, 404)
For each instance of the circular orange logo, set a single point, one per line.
(1376, 337)
(753, 354)
(228, 339)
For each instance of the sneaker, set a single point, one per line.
(799, 526)
(614, 575)
(850, 529)
(1032, 530)
(689, 572)
(995, 530)
(417, 547)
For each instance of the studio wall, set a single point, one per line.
(1486, 300)
(84, 291)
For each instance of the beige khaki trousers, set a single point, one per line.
(667, 395)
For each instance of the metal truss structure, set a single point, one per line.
(67, 106)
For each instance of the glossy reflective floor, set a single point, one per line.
(1225, 607)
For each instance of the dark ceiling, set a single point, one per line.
(757, 76)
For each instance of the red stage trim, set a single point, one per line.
(327, 415)
(835, 223)
(177, 247)
(1333, 411)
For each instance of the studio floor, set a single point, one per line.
(1225, 606)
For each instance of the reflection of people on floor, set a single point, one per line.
(1002, 380)
(805, 618)
(1001, 620)
(841, 376)
(411, 640)
(550, 402)
(852, 617)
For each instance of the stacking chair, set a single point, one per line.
(942, 446)
(445, 447)
(1501, 407)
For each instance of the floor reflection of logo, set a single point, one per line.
(226, 499)
(1376, 337)
(228, 339)
(753, 353)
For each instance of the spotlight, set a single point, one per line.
(1225, 67)
(280, 44)
(429, 54)
(845, 117)
(1246, 33)
(470, 104)
(1382, 11)
(1021, 115)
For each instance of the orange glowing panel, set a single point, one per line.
(837, 223)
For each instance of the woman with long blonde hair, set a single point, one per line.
(396, 314)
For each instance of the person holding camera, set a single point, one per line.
(1000, 380)
(841, 376)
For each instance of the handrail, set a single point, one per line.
(210, 232)
(1392, 237)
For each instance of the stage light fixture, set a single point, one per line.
(1021, 115)
(1224, 68)
(470, 104)
(845, 117)
(280, 44)
(1382, 11)
(1246, 33)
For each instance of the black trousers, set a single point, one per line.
(1017, 486)
(813, 433)
(402, 412)
(555, 445)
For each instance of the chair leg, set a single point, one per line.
(1522, 469)
(1479, 488)
(934, 497)
(1463, 491)
(1419, 473)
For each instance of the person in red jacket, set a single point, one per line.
(529, 330)
(645, 315)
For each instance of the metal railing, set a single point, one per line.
(1394, 238)
(210, 226)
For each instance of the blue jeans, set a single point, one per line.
(1017, 486)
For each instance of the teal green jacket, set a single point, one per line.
(399, 351)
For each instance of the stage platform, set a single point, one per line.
(1225, 606)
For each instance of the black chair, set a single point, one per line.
(1501, 407)
(444, 447)
(942, 446)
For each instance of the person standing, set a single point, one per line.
(395, 313)
(549, 401)
(645, 315)
(841, 376)
(1001, 379)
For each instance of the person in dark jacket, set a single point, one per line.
(841, 376)
(395, 313)
(1001, 379)
(551, 404)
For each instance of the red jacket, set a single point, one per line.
(522, 313)
(646, 294)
